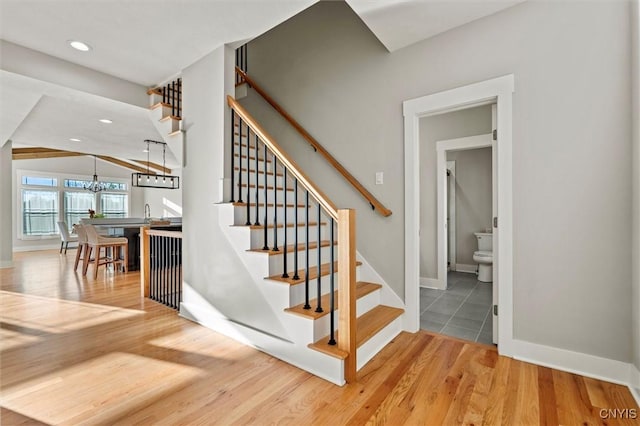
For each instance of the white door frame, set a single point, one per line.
(442, 147)
(498, 90)
(451, 214)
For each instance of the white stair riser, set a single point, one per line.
(321, 326)
(169, 126)
(374, 345)
(276, 262)
(154, 99)
(160, 112)
(257, 236)
(296, 292)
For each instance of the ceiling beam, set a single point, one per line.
(40, 153)
(124, 164)
(152, 165)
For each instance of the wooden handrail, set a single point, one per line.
(288, 162)
(373, 201)
(162, 233)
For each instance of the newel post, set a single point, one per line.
(145, 259)
(347, 293)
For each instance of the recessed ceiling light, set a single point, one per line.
(75, 140)
(105, 120)
(78, 45)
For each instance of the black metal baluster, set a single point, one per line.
(240, 160)
(179, 97)
(164, 95)
(248, 222)
(306, 253)
(173, 98)
(155, 262)
(284, 185)
(237, 64)
(275, 205)
(332, 305)
(257, 183)
(295, 229)
(173, 272)
(319, 307)
(264, 159)
(165, 281)
(233, 156)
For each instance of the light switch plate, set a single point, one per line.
(379, 178)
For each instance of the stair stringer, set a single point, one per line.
(292, 348)
(319, 364)
(173, 139)
(388, 297)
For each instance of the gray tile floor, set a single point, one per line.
(463, 310)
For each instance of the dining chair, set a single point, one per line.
(111, 246)
(65, 237)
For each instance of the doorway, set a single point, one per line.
(499, 91)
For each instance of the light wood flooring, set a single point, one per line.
(78, 351)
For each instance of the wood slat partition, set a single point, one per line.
(373, 201)
(345, 219)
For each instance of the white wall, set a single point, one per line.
(214, 276)
(473, 199)
(165, 202)
(571, 145)
(6, 183)
(73, 166)
(458, 124)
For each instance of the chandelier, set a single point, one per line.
(153, 180)
(95, 185)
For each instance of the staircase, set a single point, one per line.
(299, 248)
(165, 111)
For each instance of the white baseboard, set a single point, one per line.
(39, 248)
(431, 283)
(634, 385)
(469, 269)
(574, 362)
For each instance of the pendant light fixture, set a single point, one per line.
(153, 180)
(95, 185)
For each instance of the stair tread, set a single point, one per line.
(159, 104)
(313, 274)
(176, 132)
(362, 289)
(367, 326)
(170, 117)
(244, 204)
(154, 91)
(261, 172)
(291, 248)
(289, 225)
(280, 188)
(252, 158)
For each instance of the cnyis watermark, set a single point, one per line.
(618, 413)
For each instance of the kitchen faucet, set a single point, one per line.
(147, 211)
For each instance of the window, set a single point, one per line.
(113, 205)
(77, 205)
(46, 198)
(39, 212)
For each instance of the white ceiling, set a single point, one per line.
(399, 23)
(147, 42)
(142, 41)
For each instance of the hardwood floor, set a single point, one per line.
(80, 351)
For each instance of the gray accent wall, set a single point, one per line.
(458, 124)
(473, 199)
(571, 145)
(635, 115)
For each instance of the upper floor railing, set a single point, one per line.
(171, 94)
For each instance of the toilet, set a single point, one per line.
(484, 256)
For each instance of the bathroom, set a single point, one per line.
(459, 301)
